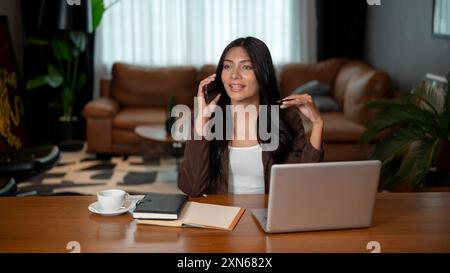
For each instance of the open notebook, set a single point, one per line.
(202, 215)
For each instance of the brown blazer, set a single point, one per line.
(194, 177)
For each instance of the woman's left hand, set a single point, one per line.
(305, 104)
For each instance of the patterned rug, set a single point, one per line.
(81, 173)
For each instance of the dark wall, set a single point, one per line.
(340, 28)
(11, 8)
(399, 41)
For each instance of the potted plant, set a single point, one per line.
(64, 71)
(415, 132)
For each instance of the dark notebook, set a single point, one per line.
(160, 206)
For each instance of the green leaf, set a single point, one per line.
(414, 166)
(446, 116)
(79, 39)
(36, 82)
(447, 107)
(381, 122)
(81, 82)
(98, 8)
(393, 118)
(75, 53)
(401, 113)
(52, 70)
(396, 144)
(38, 41)
(388, 170)
(53, 81)
(430, 99)
(67, 98)
(61, 49)
(55, 105)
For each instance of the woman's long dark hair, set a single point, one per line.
(268, 93)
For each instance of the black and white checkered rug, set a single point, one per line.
(86, 174)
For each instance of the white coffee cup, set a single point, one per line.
(112, 200)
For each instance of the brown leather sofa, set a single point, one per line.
(138, 95)
(134, 96)
(353, 84)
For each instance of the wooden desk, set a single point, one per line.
(403, 222)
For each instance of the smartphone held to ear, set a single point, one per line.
(211, 90)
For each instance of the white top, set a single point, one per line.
(246, 175)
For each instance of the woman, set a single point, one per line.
(240, 166)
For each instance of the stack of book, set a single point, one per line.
(175, 210)
(160, 206)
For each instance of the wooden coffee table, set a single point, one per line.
(157, 133)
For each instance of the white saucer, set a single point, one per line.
(95, 208)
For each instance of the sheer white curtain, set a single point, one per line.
(194, 32)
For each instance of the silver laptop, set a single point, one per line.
(320, 196)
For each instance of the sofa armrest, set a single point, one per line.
(358, 83)
(376, 86)
(99, 115)
(101, 108)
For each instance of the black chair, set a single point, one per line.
(15, 166)
(8, 186)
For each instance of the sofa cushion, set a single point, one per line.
(314, 88)
(139, 86)
(326, 103)
(320, 93)
(129, 118)
(337, 128)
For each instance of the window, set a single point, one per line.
(195, 32)
(441, 18)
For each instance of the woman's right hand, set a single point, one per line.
(205, 109)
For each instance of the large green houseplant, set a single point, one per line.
(414, 135)
(63, 71)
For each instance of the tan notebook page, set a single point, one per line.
(203, 215)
